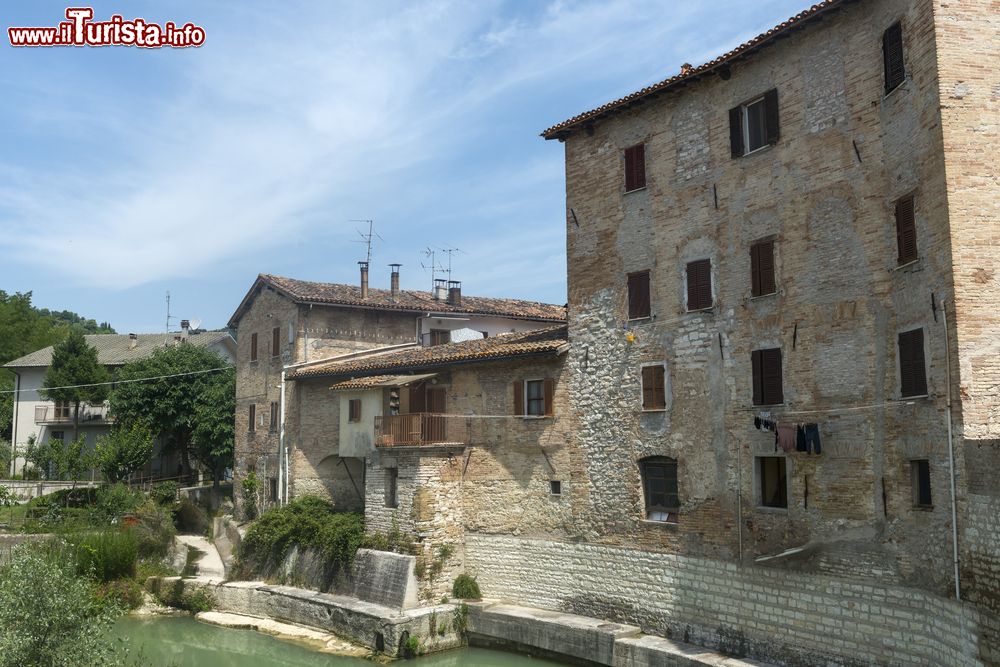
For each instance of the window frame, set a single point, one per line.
(781, 484)
(635, 167)
(745, 122)
(252, 417)
(633, 303)
(900, 361)
(920, 473)
(663, 386)
(275, 342)
(694, 308)
(435, 336)
(761, 394)
(272, 425)
(540, 382)
(889, 82)
(354, 408)
(555, 487)
(758, 273)
(739, 124)
(649, 507)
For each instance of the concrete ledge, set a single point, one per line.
(649, 651)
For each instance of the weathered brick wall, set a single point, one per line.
(826, 193)
(785, 618)
(329, 331)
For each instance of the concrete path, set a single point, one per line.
(209, 564)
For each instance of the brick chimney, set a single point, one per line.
(364, 280)
(454, 293)
(394, 282)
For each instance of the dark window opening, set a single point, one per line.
(57, 435)
(252, 418)
(391, 487)
(920, 479)
(892, 56)
(273, 424)
(638, 295)
(555, 487)
(272, 488)
(766, 369)
(912, 371)
(762, 268)
(535, 395)
(354, 410)
(654, 394)
(754, 124)
(635, 168)
(773, 482)
(699, 284)
(906, 231)
(659, 485)
(275, 341)
(253, 347)
(534, 398)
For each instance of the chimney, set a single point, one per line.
(440, 291)
(364, 280)
(394, 282)
(454, 293)
(133, 341)
(686, 69)
(185, 328)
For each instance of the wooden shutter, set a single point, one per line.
(635, 167)
(418, 399)
(699, 279)
(771, 116)
(755, 270)
(758, 375)
(892, 56)
(253, 347)
(638, 295)
(518, 398)
(736, 131)
(906, 231)
(653, 391)
(549, 393)
(912, 371)
(252, 418)
(762, 268)
(767, 389)
(275, 341)
(436, 398)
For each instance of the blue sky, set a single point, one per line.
(127, 172)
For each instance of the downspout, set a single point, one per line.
(282, 454)
(739, 498)
(13, 424)
(951, 455)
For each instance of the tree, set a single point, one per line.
(57, 460)
(75, 376)
(168, 406)
(214, 429)
(123, 451)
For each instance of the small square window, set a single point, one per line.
(555, 487)
(354, 410)
(659, 485)
(439, 337)
(773, 482)
(920, 480)
(754, 124)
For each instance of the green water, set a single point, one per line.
(184, 642)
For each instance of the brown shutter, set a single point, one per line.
(755, 269)
(912, 371)
(638, 295)
(736, 131)
(771, 389)
(518, 398)
(418, 399)
(275, 341)
(699, 279)
(647, 387)
(549, 389)
(906, 231)
(436, 400)
(653, 390)
(635, 167)
(252, 418)
(771, 115)
(253, 347)
(762, 268)
(892, 56)
(758, 375)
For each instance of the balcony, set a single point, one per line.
(57, 414)
(421, 430)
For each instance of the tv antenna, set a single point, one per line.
(433, 266)
(450, 251)
(367, 238)
(169, 316)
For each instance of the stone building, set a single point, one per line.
(288, 432)
(800, 233)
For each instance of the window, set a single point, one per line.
(638, 295)
(533, 398)
(273, 424)
(762, 268)
(912, 371)
(920, 480)
(57, 435)
(275, 341)
(773, 482)
(699, 284)
(892, 57)
(767, 377)
(654, 394)
(439, 336)
(754, 124)
(391, 487)
(906, 231)
(63, 411)
(555, 487)
(272, 488)
(635, 168)
(253, 347)
(659, 485)
(252, 418)
(354, 410)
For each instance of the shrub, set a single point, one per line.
(194, 601)
(395, 540)
(107, 555)
(190, 518)
(305, 522)
(153, 529)
(115, 501)
(465, 588)
(250, 486)
(121, 593)
(164, 493)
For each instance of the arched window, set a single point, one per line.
(659, 486)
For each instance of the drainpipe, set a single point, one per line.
(282, 453)
(951, 456)
(13, 424)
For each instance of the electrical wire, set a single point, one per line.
(117, 382)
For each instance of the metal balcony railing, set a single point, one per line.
(52, 414)
(420, 430)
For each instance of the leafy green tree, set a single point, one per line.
(58, 460)
(75, 376)
(5, 457)
(169, 406)
(214, 429)
(124, 450)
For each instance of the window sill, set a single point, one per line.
(901, 85)
(763, 296)
(772, 510)
(535, 417)
(900, 267)
(628, 192)
(706, 309)
(640, 320)
(756, 151)
(765, 406)
(913, 398)
(654, 411)
(923, 508)
(670, 525)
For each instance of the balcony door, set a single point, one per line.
(429, 401)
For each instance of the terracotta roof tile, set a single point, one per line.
(117, 349)
(689, 74)
(551, 340)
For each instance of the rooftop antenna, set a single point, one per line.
(169, 316)
(434, 266)
(450, 251)
(367, 238)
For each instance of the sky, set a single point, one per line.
(127, 173)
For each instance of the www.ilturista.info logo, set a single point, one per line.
(81, 30)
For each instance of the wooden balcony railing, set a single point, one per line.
(421, 430)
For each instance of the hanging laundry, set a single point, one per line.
(756, 423)
(785, 437)
(812, 438)
(800, 438)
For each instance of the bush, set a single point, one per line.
(107, 555)
(466, 588)
(121, 593)
(164, 493)
(190, 518)
(305, 522)
(194, 601)
(153, 529)
(395, 540)
(115, 501)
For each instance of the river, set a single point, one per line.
(181, 641)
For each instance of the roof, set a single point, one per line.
(303, 291)
(690, 74)
(113, 349)
(374, 381)
(548, 341)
